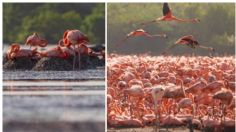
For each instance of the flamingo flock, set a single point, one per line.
(169, 91)
(71, 38)
(188, 40)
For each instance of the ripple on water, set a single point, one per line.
(55, 75)
(51, 108)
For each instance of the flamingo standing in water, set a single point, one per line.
(74, 37)
(190, 41)
(140, 32)
(168, 16)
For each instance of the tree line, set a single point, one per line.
(50, 20)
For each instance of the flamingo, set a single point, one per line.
(157, 95)
(36, 40)
(186, 102)
(225, 96)
(16, 52)
(137, 33)
(134, 91)
(168, 16)
(55, 52)
(74, 37)
(190, 41)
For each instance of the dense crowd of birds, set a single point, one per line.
(170, 91)
(193, 91)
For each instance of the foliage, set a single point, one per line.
(50, 20)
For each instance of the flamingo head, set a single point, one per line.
(196, 20)
(61, 43)
(15, 47)
(31, 38)
(158, 92)
(35, 34)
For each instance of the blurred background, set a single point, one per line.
(50, 20)
(216, 29)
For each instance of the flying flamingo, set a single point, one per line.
(190, 41)
(137, 33)
(168, 16)
(74, 37)
(36, 40)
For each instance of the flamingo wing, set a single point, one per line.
(187, 37)
(190, 41)
(166, 9)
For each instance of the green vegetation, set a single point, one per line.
(50, 20)
(216, 28)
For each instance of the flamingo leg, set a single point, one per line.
(145, 23)
(155, 110)
(148, 35)
(160, 35)
(184, 20)
(224, 115)
(74, 59)
(213, 105)
(79, 61)
(159, 119)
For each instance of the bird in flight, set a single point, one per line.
(137, 33)
(168, 16)
(190, 41)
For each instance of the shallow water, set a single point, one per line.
(54, 100)
(55, 75)
(44, 108)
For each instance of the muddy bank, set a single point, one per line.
(22, 63)
(53, 63)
